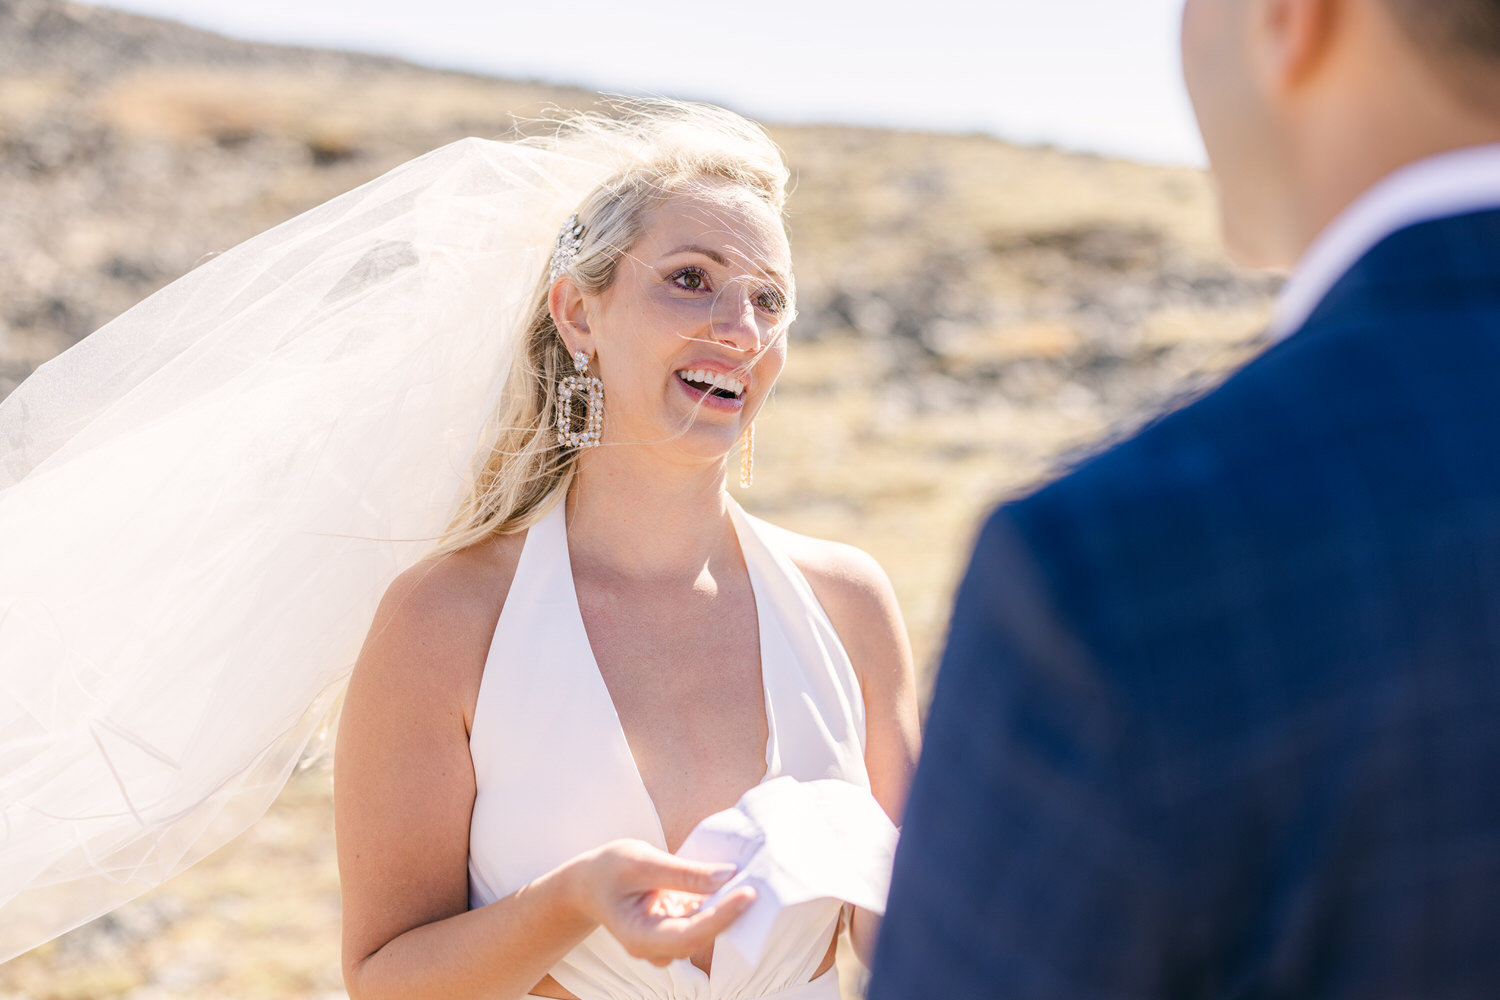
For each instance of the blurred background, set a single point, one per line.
(1005, 245)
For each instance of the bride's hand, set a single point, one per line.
(652, 902)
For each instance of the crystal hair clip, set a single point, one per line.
(569, 242)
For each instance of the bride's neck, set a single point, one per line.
(656, 522)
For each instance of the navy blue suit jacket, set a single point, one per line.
(1219, 714)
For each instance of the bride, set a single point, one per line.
(542, 714)
(603, 650)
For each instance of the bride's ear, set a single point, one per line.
(570, 314)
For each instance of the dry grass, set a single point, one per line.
(259, 920)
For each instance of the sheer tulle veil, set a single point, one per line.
(202, 503)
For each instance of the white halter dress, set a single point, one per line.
(546, 742)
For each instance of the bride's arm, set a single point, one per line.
(404, 791)
(861, 603)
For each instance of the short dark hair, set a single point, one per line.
(1461, 39)
(1470, 28)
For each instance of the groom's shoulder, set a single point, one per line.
(1404, 349)
(1345, 409)
(1245, 429)
(1164, 500)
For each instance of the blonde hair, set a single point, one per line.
(657, 149)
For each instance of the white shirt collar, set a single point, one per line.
(1455, 183)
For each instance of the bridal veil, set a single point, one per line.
(202, 503)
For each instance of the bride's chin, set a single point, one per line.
(711, 450)
(708, 435)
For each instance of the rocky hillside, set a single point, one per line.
(130, 148)
(969, 308)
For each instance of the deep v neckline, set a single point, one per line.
(759, 599)
(555, 777)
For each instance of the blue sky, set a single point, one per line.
(1097, 75)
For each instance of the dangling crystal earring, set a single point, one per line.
(593, 413)
(747, 457)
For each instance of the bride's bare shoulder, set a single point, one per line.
(437, 618)
(858, 597)
(470, 582)
(845, 572)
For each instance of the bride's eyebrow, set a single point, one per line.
(722, 261)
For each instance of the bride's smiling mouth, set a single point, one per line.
(713, 387)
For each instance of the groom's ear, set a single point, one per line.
(1291, 40)
(570, 315)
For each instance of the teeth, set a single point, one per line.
(716, 379)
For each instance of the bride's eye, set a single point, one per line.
(691, 278)
(772, 301)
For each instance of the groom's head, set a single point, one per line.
(1304, 104)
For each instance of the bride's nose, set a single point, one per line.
(734, 321)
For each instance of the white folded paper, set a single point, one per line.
(796, 841)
